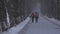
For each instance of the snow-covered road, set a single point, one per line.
(42, 27)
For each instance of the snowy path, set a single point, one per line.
(43, 27)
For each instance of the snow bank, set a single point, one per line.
(55, 21)
(16, 29)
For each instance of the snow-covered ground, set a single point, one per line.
(16, 29)
(53, 20)
(43, 27)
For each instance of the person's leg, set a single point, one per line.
(36, 19)
(32, 19)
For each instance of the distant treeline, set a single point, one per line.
(51, 8)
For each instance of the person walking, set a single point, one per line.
(35, 16)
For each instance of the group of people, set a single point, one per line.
(35, 16)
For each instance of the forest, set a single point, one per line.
(17, 11)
